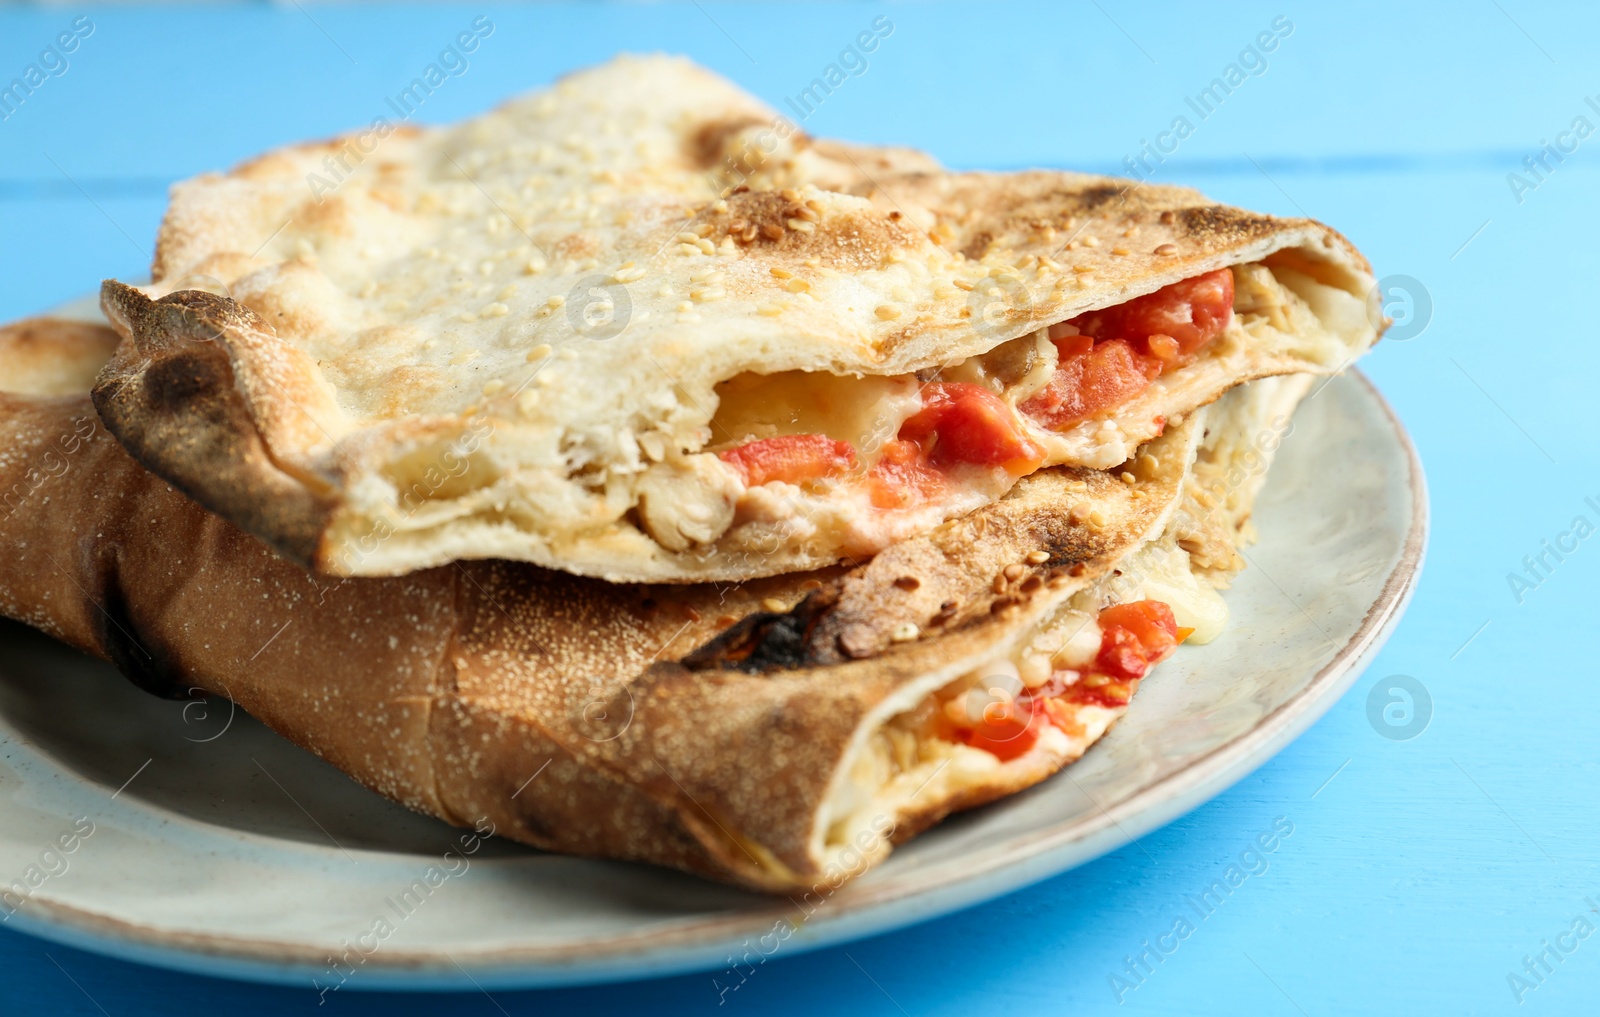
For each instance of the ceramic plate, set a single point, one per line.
(216, 847)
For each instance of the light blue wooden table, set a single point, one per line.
(1421, 871)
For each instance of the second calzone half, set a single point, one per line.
(640, 327)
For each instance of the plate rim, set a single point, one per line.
(699, 944)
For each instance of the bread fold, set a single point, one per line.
(561, 299)
(762, 733)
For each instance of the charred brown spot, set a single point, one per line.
(765, 641)
(172, 384)
(708, 144)
(1220, 222)
(975, 248)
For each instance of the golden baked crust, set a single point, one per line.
(431, 312)
(674, 724)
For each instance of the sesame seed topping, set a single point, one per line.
(1012, 573)
(904, 632)
(539, 352)
(1127, 478)
(495, 310)
(781, 273)
(887, 312)
(774, 605)
(1038, 557)
(1165, 249)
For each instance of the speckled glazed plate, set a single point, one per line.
(201, 841)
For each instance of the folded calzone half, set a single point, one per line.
(638, 326)
(781, 734)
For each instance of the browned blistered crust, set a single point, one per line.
(580, 716)
(816, 233)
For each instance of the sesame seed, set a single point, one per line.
(905, 632)
(705, 246)
(466, 316)
(1038, 557)
(789, 194)
(1127, 478)
(770, 310)
(555, 300)
(907, 583)
(801, 226)
(495, 310)
(781, 273)
(797, 286)
(887, 312)
(1119, 251)
(774, 605)
(1097, 518)
(1091, 241)
(684, 305)
(493, 387)
(539, 352)
(526, 402)
(1166, 248)
(1077, 514)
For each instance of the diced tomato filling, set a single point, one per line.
(902, 476)
(1120, 350)
(962, 423)
(958, 424)
(792, 458)
(1133, 637)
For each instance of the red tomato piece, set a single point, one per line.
(964, 423)
(1109, 374)
(1121, 653)
(1151, 622)
(1007, 730)
(1191, 311)
(792, 458)
(1134, 636)
(901, 477)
